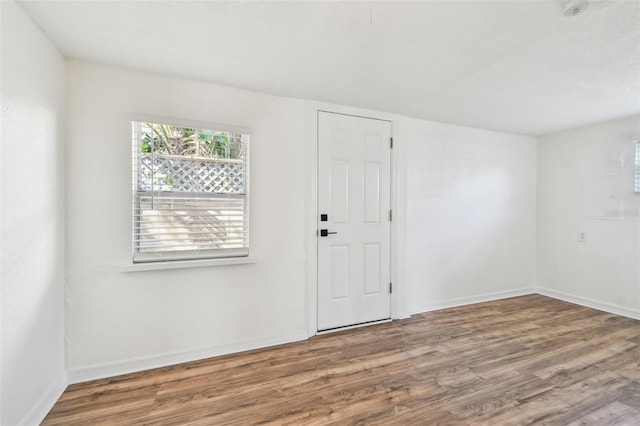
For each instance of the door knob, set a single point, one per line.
(325, 232)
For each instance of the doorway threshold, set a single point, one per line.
(349, 327)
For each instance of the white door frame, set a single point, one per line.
(398, 206)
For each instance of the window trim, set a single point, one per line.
(187, 123)
(179, 263)
(636, 174)
(184, 264)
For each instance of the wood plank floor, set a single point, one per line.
(518, 361)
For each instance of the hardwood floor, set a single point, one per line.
(525, 360)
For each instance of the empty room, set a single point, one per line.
(320, 212)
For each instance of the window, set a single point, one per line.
(190, 193)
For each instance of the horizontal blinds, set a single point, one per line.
(189, 206)
(637, 182)
(179, 226)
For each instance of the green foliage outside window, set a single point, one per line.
(190, 142)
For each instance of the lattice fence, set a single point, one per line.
(184, 174)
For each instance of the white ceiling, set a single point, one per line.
(514, 66)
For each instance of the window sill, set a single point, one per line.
(183, 264)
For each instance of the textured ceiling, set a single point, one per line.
(514, 66)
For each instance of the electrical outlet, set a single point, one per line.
(582, 237)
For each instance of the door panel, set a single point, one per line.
(354, 190)
(339, 191)
(339, 271)
(371, 192)
(371, 269)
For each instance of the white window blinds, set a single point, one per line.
(190, 193)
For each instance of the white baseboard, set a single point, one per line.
(590, 303)
(101, 371)
(41, 408)
(461, 301)
(404, 314)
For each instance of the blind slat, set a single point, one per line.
(172, 238)
(191, 255)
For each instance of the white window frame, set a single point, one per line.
(187, 258)
(636, 142)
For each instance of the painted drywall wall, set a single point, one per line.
(471, 197)
(32, 247)
(585, 185)
(124, 321)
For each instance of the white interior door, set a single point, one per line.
(354, 192)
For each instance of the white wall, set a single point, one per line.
(32, 247)
(585, 184)
(471, 197)
(123, 321)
